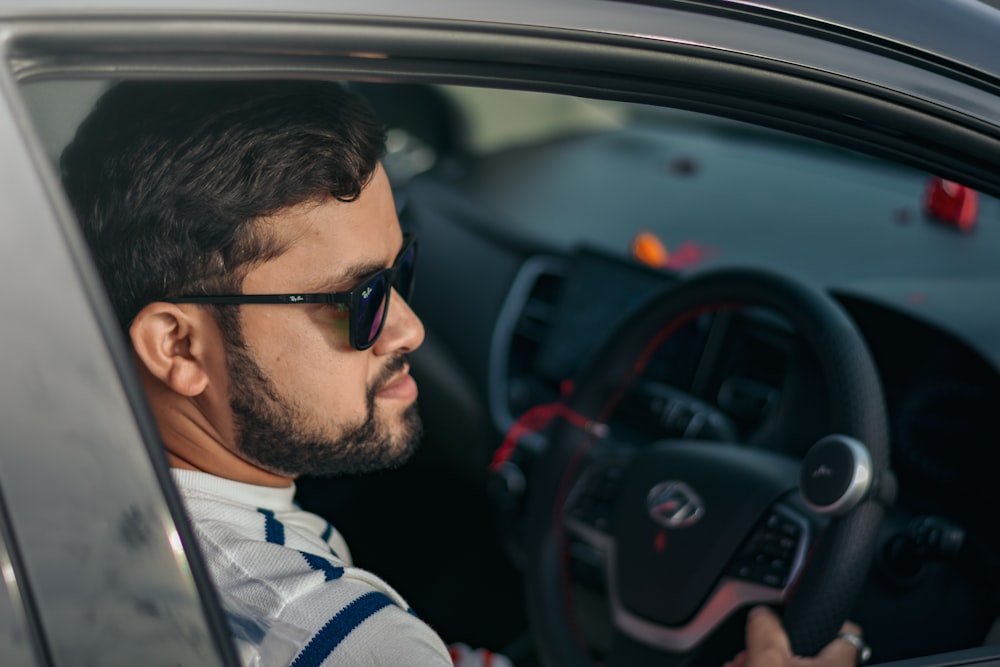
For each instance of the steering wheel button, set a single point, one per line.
(773, 580)
(776, 550)
(789, 528)
(836, 475)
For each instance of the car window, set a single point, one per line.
(711, 191)
(57, 107)
(548, 217)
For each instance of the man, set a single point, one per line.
(249, 243)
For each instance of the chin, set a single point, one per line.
(409, 430)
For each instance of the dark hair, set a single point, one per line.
(168, 178)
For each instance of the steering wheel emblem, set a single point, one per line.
(674, 504)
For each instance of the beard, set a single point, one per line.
(273, 434)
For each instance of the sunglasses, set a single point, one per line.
(367, 304)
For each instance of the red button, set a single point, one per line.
(951, 203)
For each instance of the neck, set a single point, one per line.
(237, 470)
(199, 435)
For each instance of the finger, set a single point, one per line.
(765, 634)
(848, 626)
(739, 660)
(839, 652)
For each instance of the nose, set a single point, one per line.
(403, 332)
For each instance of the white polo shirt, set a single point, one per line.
(288, 587)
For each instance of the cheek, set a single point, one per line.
(323, 389)
(331, 397)
(312, 364)
(299, 337)
(335, 319)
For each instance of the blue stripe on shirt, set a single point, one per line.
(274, 532)
(327, 534)
(337, 628)
(329, 570)
(246, 629)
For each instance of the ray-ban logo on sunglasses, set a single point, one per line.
(368, 291)
(296, 299)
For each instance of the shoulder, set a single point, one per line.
(296, 607)
(225, 509)
(290, 596)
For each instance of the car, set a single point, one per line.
(709, 289)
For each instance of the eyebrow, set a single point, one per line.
(346, 279)
(355, 273)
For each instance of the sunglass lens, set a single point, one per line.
(370, 311)
(407, 266)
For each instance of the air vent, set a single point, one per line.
(534, 320)
(520, 333)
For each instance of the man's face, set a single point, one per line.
(304, 401)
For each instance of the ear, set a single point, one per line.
(172, 342)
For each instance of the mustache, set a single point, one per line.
(390, 370)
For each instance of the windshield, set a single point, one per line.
(715, 192)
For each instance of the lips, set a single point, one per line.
(401, 386)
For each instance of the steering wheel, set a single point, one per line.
(685, 534)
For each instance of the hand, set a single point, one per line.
(768, 646)
(463, 656)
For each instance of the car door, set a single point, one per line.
(96, 564)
